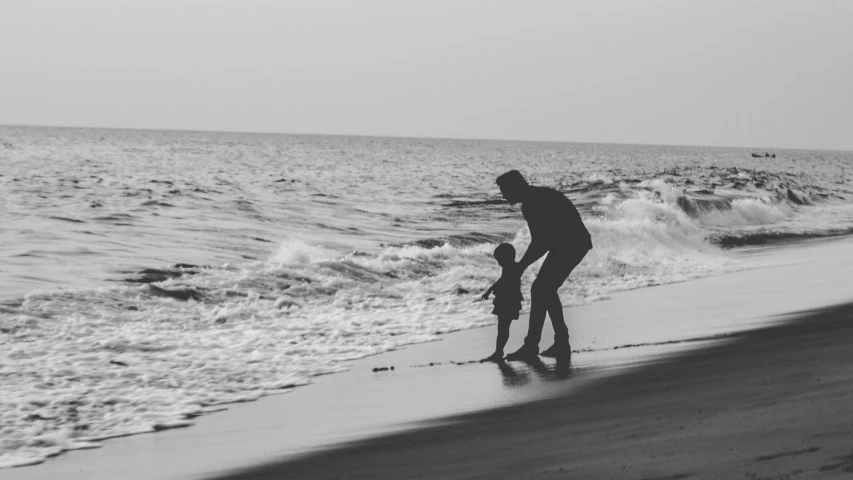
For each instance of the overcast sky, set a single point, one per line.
(775, 73)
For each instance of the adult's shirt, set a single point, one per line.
(554, 221)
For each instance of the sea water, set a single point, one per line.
(149, 276)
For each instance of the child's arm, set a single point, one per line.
(490, 290)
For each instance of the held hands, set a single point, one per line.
(486, 295)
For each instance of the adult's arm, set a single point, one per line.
(538, 212)
(534, 252)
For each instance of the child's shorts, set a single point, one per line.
(507, 311)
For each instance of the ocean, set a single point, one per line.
(149, 277)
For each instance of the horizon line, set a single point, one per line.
(189, 130)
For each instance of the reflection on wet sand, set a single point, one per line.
(514, 375)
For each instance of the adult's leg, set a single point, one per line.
(555, 306)
(544, 298)
(536, 319)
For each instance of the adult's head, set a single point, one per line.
(513, 186)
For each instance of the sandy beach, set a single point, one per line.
(756, 387)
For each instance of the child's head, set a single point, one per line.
(505, 254)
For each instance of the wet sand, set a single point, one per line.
(775, 403)
(767, 401)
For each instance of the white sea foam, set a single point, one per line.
(747, 212)
(297, 251)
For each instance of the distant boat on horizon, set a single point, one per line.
(767, 155)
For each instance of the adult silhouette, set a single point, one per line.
(556, 228)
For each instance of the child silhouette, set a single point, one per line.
(507, 302)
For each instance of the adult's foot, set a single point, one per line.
(495, 357)
(558, 350)
(526, 352)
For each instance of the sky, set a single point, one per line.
(751, 73)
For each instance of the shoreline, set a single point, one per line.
(360, 403)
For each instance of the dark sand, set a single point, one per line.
(774, 403)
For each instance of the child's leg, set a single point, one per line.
(500, 343)
(503, 334)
